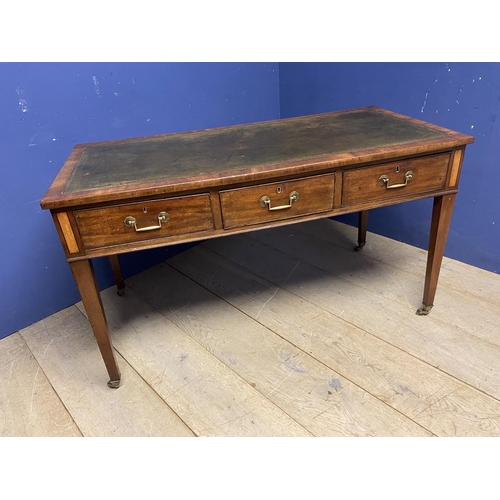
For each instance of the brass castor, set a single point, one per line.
(114, 384)
(120, 292)
(424, 310)
(360, 246)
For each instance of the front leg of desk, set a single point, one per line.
(440, 225)
(83, 272)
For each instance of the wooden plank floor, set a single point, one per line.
(282, 332)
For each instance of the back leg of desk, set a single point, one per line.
(117, 273)
(362, 226)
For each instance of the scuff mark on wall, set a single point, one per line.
(427, 95)
(23, 103)
(425, 101)
(96, 86)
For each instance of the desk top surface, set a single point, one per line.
(99, 171)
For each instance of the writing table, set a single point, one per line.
(122, 196)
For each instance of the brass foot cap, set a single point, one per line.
(360, 246)
(424, 310)
(121, 292)
(114, 384)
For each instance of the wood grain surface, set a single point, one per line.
(278, 334)
(242, 207)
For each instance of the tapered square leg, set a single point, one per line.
(440, 225)
(83, 272)
(362, 226)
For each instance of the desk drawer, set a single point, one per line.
(393, 180)
(148, 220)
(277, 201)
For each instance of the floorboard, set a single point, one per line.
(472, 305)
(29, 406)
(65, 348)
(369, 306)
(321, 400)
(206, 393)
(402, 381)
(282, 332)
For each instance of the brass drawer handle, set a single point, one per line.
(294, 196)
(383, 179)
(131, 222)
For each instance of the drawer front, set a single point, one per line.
(101, 227)
(277, 201)
(393, 180)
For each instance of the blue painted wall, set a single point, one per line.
(460, 96)
(45, 109)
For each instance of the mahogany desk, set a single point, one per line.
(122, 196)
